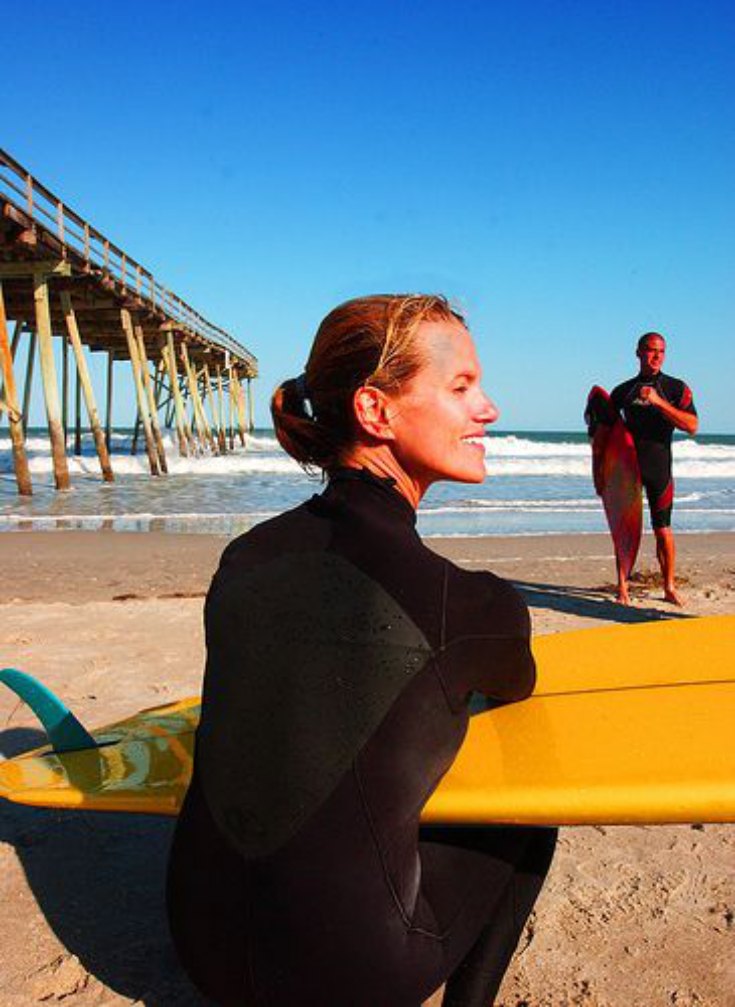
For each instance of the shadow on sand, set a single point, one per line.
(99, 881)
(590, 602)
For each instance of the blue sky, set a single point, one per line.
(563, 170)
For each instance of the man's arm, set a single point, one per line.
(682, 420)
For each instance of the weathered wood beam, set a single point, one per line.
(152, 404)
(251, 406)
(17, 332)
(108, 398)
(83, 376)
(35, 267)
(200, 420)
(207, 383)
(136, 433)
(231, 408)
(183, 429)
(50, 385)
(18, 328)
(222, 424)
(15, 417)
(127, 325)
(240, 404)
(169, 416)
(203, 400)
(78, 416)
(165, 404)
(28, 384)
(65, 388)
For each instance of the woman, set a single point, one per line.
(342, 654)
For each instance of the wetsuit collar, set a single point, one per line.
(345, 476)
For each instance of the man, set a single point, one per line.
(653, 405)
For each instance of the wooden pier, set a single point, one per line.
(61, 279)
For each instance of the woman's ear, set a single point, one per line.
(372, 412)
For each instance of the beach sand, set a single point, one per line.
(630, 917)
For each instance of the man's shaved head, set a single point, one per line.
(649, 335)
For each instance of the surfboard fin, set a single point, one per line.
(64, 731)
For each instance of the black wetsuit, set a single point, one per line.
(652, 433)
(342, 654)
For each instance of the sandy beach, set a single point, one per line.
(630, 917)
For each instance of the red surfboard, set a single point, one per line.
(616, 476)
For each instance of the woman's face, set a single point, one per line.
(439, 418)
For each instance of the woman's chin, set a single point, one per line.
(474, 474)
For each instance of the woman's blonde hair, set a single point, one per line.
(365, 341)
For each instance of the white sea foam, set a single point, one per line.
(703, 470)
(506, 456)
(259, 455)
(537, 485)
(551, 465)
(51, 520)
(512, 505)
(512, 455)
(519, 447)
(281, 464)
(497, 445)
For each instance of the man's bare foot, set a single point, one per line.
(673, 597)
(622, 597)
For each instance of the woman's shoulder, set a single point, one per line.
(248, 558)
(292, 531)
(481, 602)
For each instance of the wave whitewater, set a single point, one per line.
(538, 484)
(505, 455)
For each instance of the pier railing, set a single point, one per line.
(72, 232)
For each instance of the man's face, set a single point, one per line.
(651, 356)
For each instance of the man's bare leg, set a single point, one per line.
(666, 553)
(622, 597)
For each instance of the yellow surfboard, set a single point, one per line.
(628, 724)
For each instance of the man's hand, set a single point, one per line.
(647, 393)
(681, 419)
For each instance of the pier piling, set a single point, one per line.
(145, 372)
(50, 385)
(84, 380)
(183, 430)
(140, 393)
(10, 404)
(30, 368)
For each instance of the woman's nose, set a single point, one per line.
(490, 411)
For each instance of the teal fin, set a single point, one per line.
(64, 731)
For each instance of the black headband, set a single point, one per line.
(303, 394)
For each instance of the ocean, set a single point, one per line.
(538, 483)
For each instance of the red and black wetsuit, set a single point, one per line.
(342, 654)
(652, 433)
